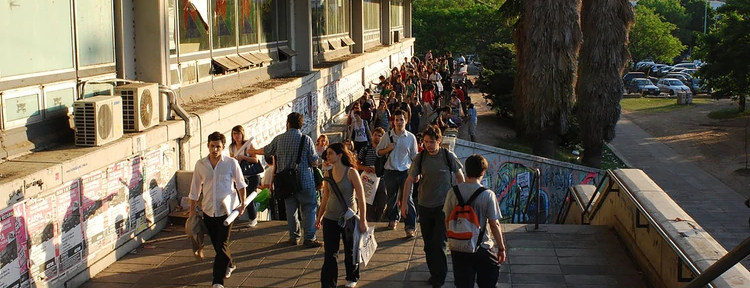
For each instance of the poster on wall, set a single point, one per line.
(116, 202)
(43, 251)
(152, 172)
(69, 230)
(94, 213)
(138, 217)
(13, 258)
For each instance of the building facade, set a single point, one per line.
(210, 65)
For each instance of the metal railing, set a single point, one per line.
(534, 196)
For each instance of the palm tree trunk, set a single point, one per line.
(604, 55)
(550, 37)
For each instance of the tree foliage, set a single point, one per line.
(725, 50)
(498, 76)
(651, 37)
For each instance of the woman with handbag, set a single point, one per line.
(251, 167)
(341, 191)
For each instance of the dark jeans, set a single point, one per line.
(375, 210)
(394, 186)
(329, 274)
(481, 265)
(220, 239)
(252, 185)
(432, 224)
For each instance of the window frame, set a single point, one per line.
(21, 92)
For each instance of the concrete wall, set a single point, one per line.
(647, 236)
(509, 169)
(117, 195)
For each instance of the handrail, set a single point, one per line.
(651, 220)
(538, 197)
(722, 265)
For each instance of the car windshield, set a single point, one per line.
(675, 83)
(642, 81)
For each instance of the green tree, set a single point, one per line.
(651, 37)
(725, 50)
(673, 12)
(605, 25)
(697, 11)
(498, 75)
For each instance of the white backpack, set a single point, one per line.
(464, 231)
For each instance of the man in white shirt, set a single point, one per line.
(400, 146)
(216, 177)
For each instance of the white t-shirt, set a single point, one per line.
(267, 179)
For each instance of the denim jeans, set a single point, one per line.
(219, 235)
(329, 274)
(306, 202)
(252, 185)
(481, 266)
(432, 225)
(394, 186)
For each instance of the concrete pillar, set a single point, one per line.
(301, 39)
(407, 19)
(386, 37)
(358, 26)
(124, 35)
(151, 51)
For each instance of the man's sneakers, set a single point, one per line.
(252, 223)
(410, 233)
(230, 269)
(217, 286)
(351, 284)
(312, 243)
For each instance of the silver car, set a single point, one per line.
(672, 86)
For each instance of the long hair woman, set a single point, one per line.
(347, 179)
(238, 150)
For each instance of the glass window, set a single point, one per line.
(397, 13)
(192, 25)
(36, 37)
(248, 22)
(267, 10)
(172, 32)
(20, 106)
(372, 14)
(59, 98)
(319, 17)
(332, 17)
(224, 31)
(342, 21)
(282, 19)
(96, 40)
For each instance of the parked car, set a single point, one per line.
(689, 65)
(685, 78)
(656, 68)
(672, 86)
(699, 87)
(664, 70)
(632, 75)
(642, 86)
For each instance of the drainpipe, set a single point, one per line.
(172, 98)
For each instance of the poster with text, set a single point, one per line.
(22, 242)
(152, 173)
(40, 222)
(13, 272)
(134, 176)
(94, 213)
(69, 230)
(116, 201)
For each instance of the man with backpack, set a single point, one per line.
(433, 168)
(470, 209)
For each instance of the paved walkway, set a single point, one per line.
(716, 207)
(555, 256)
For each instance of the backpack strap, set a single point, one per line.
(475, 195)
(458, 195)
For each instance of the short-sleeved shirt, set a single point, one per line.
(285, 147)
(485, 206)
(437, 178)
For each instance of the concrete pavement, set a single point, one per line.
(716, 207)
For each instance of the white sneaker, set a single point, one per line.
(350, 284)
(229, 272)
(217, 286)
(252, 223)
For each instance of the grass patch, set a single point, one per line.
(657, 105)
(727, 113)
(609, 159)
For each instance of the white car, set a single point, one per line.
(672, 86)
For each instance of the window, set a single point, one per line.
(37, 37)
(319, 18)
(21, 107)
(330, 17)
(372, 14)
(171, 12)
(248, 22)
(59, 98)
(95, 37)
(267, 27)
(397, 13)
(224, 31)
(193, 28)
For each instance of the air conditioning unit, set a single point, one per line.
(140, 106)
(98, 120)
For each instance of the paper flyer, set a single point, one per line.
(138, 220)
(13, 272)
(152, 172)
(69, 230)
(94, 213)
(40, 222)
(22, 241)
(116, 202)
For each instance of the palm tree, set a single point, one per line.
(605, 25)
(547, 37)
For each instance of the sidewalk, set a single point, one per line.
(716, 207)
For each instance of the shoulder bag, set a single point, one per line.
(287, 182)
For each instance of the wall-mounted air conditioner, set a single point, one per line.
(98, 120)
(140, 106)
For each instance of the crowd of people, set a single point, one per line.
(408, 177)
